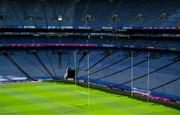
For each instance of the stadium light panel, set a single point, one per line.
(60, 18)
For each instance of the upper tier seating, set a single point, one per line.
(93, 13)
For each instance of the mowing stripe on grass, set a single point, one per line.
(60, 98)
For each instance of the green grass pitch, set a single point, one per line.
(67, 99)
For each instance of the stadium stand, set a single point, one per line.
(56, 13)
(77, 29)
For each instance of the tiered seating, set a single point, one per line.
(93, 13)
(112, 67)
(116, 67)
(120, 73)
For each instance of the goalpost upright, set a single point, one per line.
(148, 78)
(88, 75)
(75, 67)
(132, 71)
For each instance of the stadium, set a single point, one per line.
(90, 57)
